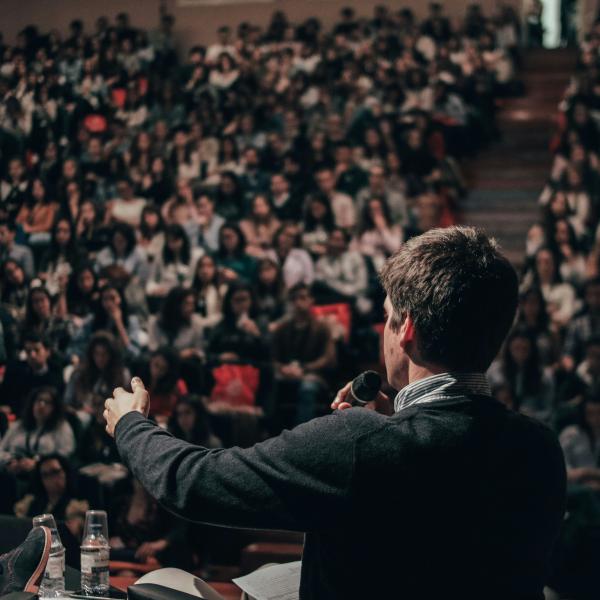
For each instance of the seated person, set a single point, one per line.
(112, 315)
(583, 327)
(341, 274)
(260, 226)
(36, 371)
(580, 446)
(179, 327)
(42, 429)
(238, 337)
(588, 372)
(14, 289)
(209, 293)
(174, 266)
(164, 382)
(53, 491)
(124, 251)
(303, 350)
(81, 295)
(41, 319)
(100, 372)
(62, 257)
(520, 368)
(21, 254)
(233, 260)
(270, 291)
(190, 421)
(96, 445)
(125, 208)
(142, 529)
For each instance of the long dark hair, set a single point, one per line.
(241, 247)
(101, 318)
(178, 232)
(7, 287)
(277, 287)
(197, 284)
(557, 276)
(29, 199)
(237, 286)
(170, 319)
(543, 319)
(128, 232)
(328, 221)
(591, 397)
(70, 250)
(32, 320)
(57, 416)
(366, 220)
(169, 381)
(39, 491)
(145, 232)
(77, 302)
(236, 152)
(201, 432)
(532, 368)
(89, 372)
(136, 153)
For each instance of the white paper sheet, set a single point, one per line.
(179, 580)
(279, 582)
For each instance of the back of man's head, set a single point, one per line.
(460, 293)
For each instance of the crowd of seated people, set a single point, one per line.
(214, 223)
(550, 365)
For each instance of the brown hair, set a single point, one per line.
(460, 292)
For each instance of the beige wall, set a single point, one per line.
(195, 24)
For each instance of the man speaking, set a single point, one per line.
(448, 495)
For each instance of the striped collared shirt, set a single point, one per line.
(444, 386)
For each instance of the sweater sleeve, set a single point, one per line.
(276, 484)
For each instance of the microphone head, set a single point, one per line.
(365, 387)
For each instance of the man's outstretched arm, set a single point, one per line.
(299, 480)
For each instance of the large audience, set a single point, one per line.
(215, 223)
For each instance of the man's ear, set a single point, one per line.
(407, 331)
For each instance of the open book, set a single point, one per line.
(276, 582)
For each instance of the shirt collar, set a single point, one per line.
(443, 386)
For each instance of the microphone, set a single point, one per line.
(364, 388)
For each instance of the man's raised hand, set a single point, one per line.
(123, 402)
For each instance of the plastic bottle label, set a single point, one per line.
(94, 562)
(55, 568)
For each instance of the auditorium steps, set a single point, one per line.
(506, 178)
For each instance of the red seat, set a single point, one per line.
(235, 384)
(95, 123)
(119, 96)
(340, 313)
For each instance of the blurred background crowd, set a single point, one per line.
(214, 223)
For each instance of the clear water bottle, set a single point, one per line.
(95, 554)
(53, 582)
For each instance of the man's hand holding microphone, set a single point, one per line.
(365, 391)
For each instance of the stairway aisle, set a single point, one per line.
(505, 180)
